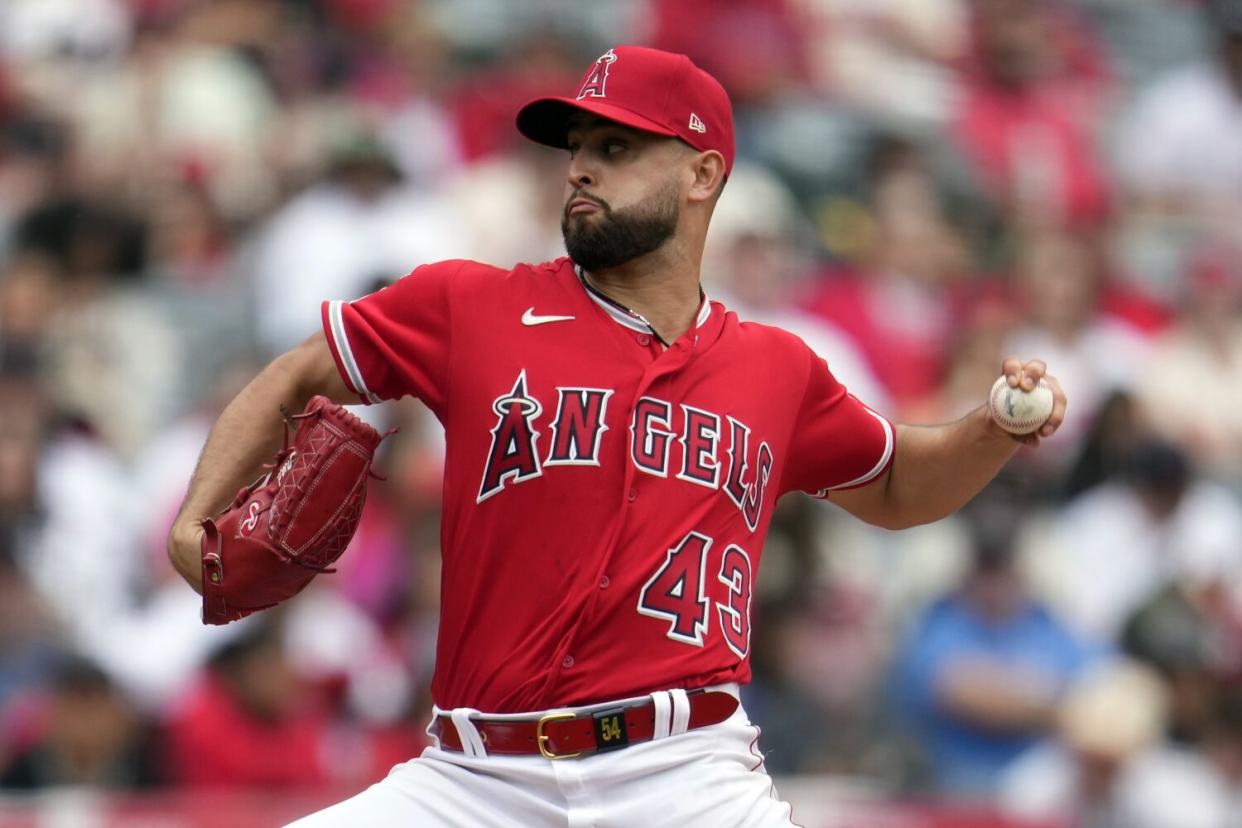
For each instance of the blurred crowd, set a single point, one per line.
(923, 186)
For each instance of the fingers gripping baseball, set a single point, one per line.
(1039, 391)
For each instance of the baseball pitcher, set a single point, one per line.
(616, 444)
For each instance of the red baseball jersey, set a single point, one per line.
(605, 498)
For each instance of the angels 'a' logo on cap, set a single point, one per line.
(696, 124)
(593, 86)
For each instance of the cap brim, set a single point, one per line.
(546, 120)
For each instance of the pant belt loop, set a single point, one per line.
(663, 714)
(681, 712)
(471, 741)
(430, 730)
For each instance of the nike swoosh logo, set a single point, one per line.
(529, 318)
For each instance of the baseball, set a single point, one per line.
(1018, 411)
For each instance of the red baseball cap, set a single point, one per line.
(647, 89)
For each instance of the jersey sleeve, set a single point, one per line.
(396, 341)
(838, 442)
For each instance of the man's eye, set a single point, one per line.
(573, 150)
(613, 147)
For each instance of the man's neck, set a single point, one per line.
(663, 289)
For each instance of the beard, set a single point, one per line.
(610, 238)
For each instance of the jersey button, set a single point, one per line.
(567, 661)
(604, 582)
(633, 495)
(644, 340)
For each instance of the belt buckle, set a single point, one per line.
(541, 738)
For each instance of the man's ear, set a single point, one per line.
(708, 169)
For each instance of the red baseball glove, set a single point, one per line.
(293, 522)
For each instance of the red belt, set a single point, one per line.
(568, 735)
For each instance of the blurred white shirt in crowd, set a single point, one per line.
(889, 57)
(515, 205)
(116, 597)
(1183, 136)
(1105, 553)
(1191, 390)
(1159, 788)
(83, 562)
(36, 29)
(329, 244)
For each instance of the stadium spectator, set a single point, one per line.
(87, 734)
(796, 734)
(892, 59)
(753, 47)
(1191, 632)
(897, 304)
(251, 722)
(1122, 541)
(1109, 765)
(361, 226)
(1224, 743)
(1196, 366)
(980, 674)
(34, 167)
(759, 264)
(1177, 147)
(1035, 79)
(1118, 426)
(30, 642)
(1060, 279)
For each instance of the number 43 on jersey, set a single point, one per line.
(677, 592)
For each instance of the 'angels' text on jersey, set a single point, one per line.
(578, 428)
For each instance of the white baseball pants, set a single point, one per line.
(712, 777)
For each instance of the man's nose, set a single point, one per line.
(580, 173)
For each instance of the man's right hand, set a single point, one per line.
(185, 543)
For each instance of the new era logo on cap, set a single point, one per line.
(646, 89)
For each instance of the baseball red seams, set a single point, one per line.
(1017, 411)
